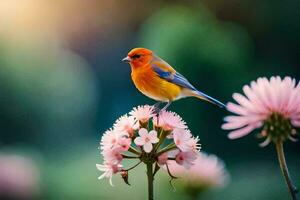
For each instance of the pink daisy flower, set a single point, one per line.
(112, 138)
(169, 121)
(146, 139)
(126, 123)
(194, 144)
(108, 170)
(272, 104)
(143, 113)
(181, 138)
(113, 155)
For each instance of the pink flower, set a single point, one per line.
(266, 102)
(193, 144)
(113, 155)
(108, 170)
(127, 124)
(169, 121)
(186, 159)
(162, 159)
(116, 143)
(142, 113)
(19, 177)
(146, 139)
(112, 138)
(181, 138)
(206, 171)
(124, 143)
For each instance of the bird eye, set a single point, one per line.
(136, 56)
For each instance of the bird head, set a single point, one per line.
(138, 57)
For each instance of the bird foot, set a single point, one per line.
(156, 108)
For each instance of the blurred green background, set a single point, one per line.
(62, 84)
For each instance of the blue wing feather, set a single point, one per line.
(176, 78)
(180, 80)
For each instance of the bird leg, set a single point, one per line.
(157, 110)
(166, 106)
(156, 107)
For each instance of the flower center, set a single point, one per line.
(181, 158)
(147, 140)
(278, 127)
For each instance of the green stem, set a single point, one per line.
(162, 137)
(130, 157)
(134, 166)
(284, 169)
(150, 177)
(134, 151)
(167, 148)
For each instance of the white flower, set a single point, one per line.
(146, 139)
(108, 170)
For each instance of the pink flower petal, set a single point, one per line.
(154, 140)
(143, 132)
(148, 147)
(139, 141)
(153, 135)
(242, 100)
(296, 123)
(240, 132)
(232, 107)
(263, 98)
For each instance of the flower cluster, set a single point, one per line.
(151, 138)
(271, 104)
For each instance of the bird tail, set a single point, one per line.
(205, 97)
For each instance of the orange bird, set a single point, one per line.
(156, 79)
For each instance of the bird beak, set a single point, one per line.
(126, 59)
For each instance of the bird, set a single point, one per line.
(158, 80)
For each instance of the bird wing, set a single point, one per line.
(165, 71)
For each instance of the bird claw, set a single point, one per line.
(156, 108)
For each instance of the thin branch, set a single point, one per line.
(281, 158)
(167, 148)
(134, 151)
(130, 157)
(172, 177)
(134, 166)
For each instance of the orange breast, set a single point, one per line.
(151, 85)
